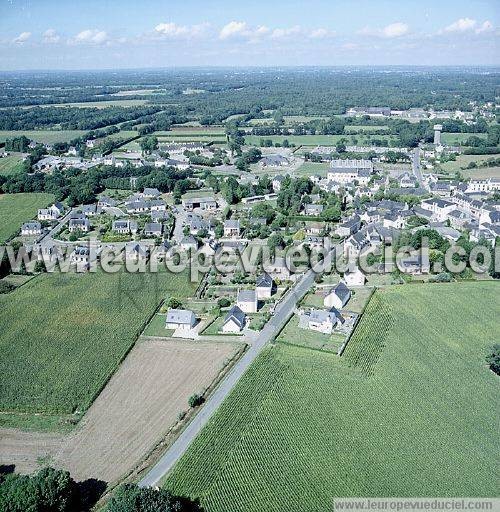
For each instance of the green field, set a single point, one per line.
(482, 173)
(455, 139)
(310, 168)
(18, 208)
(96, 104)
(314, 140)
(365, 128)
(42, 136)
(63, 335)
(409, 410)
(9, 165)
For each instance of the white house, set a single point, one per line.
(31, 228)
(231, 228)
(354, 278)
(264, 286)
(125, 226)
(319, 320)
(277, 181)
(235, 320)
(347, 171)
(338, 297)
(51, 213)
(80, 223)
(180, 319)
(247, 301)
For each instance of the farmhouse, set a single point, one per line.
(247, 301)
(235, 320)
(31, 228)
(180, 319)
(338, 297)
(264, 286)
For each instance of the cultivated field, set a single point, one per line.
(9, 165)
(63, 335)
(386, 419)
(134, 411)
(42, 136)
(315, 140)
(18, 208)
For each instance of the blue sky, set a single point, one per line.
(48, 34)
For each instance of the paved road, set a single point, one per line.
(416, 167)
(58, 227)
(282, 313)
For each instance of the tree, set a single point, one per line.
(131, 498)
(174, 303)
(224, 302)
(494, 359)
(195, 400)
(275, 240)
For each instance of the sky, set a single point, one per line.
(100, 34)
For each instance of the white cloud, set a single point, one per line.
(393, 30)
(22, 37)
(174, 31)
(461, 25)
(234, 29)
(280, 33)
(91, 36)
(321, 33)
(51, 36)
(486, 26)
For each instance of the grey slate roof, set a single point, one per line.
(247, 296)
(264, 281)
(341, 291)
(236, 315)
(179, 316)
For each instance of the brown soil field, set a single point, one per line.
(135, 410)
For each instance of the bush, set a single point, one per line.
(195, 400)
(494, 359)
(224, 302)
(174, 303)
(6, 287)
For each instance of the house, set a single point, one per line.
(278, 269)
(485, 185)
(235, 320)
(277, 181)
(153, 228)
(247, 301)
(338, 297)
(318, 320)
(231, 228)
(406, 181)
(354, 278)
(125, 226)
(106, 202)
(274, 161)
(91, 210)
(51, 213)
(440, 208)
(159, 215)
(31, 228)
(79, 224)
(81, 256)
(414, 264)
(264, 286)
(189, 243)
(204, 203)
(138, 206)
(180, 319)
(313, 210)
(349, 227)
(151, 193)
(137, 252)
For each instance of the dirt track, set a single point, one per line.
(134, 411)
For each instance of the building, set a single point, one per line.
(274, 161)
(264, 286)
(106, 202)
(180, 319)
(354, 278)
(313, 210)
(349, 227)
(205, 203)
(350, 171)
(438, 128)
(81, 256)
(137, 252)
(440, 208)
(79, 224)
(247, 301)
(151, 193)
(153, 228)
(486, 185)
(51, 213)
(32, 228)
(235, 320)
(125, 226)
(231, 228)
(368, 111)
(318, 320)
(338, 297)
(189, 243)
(277, 181)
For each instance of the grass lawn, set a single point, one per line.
(215, 327)
(409, 410)
(42, 136)
(310, 168)
(15, 209)
(156, 326)
(455, 139)
(482, 173)
(463, 161)
(63, 335)
(365, 128)
(9, 165)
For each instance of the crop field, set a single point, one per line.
(315, 140)
(455, 139)
(42, 136)
(9, 165)
(63, 335)
(385, 419)
(18, 208)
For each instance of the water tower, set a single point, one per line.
(438, 128)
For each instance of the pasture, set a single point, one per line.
(42, 136)
(455, 139)
(408, 410)
(63, 335)
(316, 140)
(12, 164)
(15, 209)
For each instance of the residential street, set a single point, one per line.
(282, 313)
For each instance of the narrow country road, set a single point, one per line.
(281, 315)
